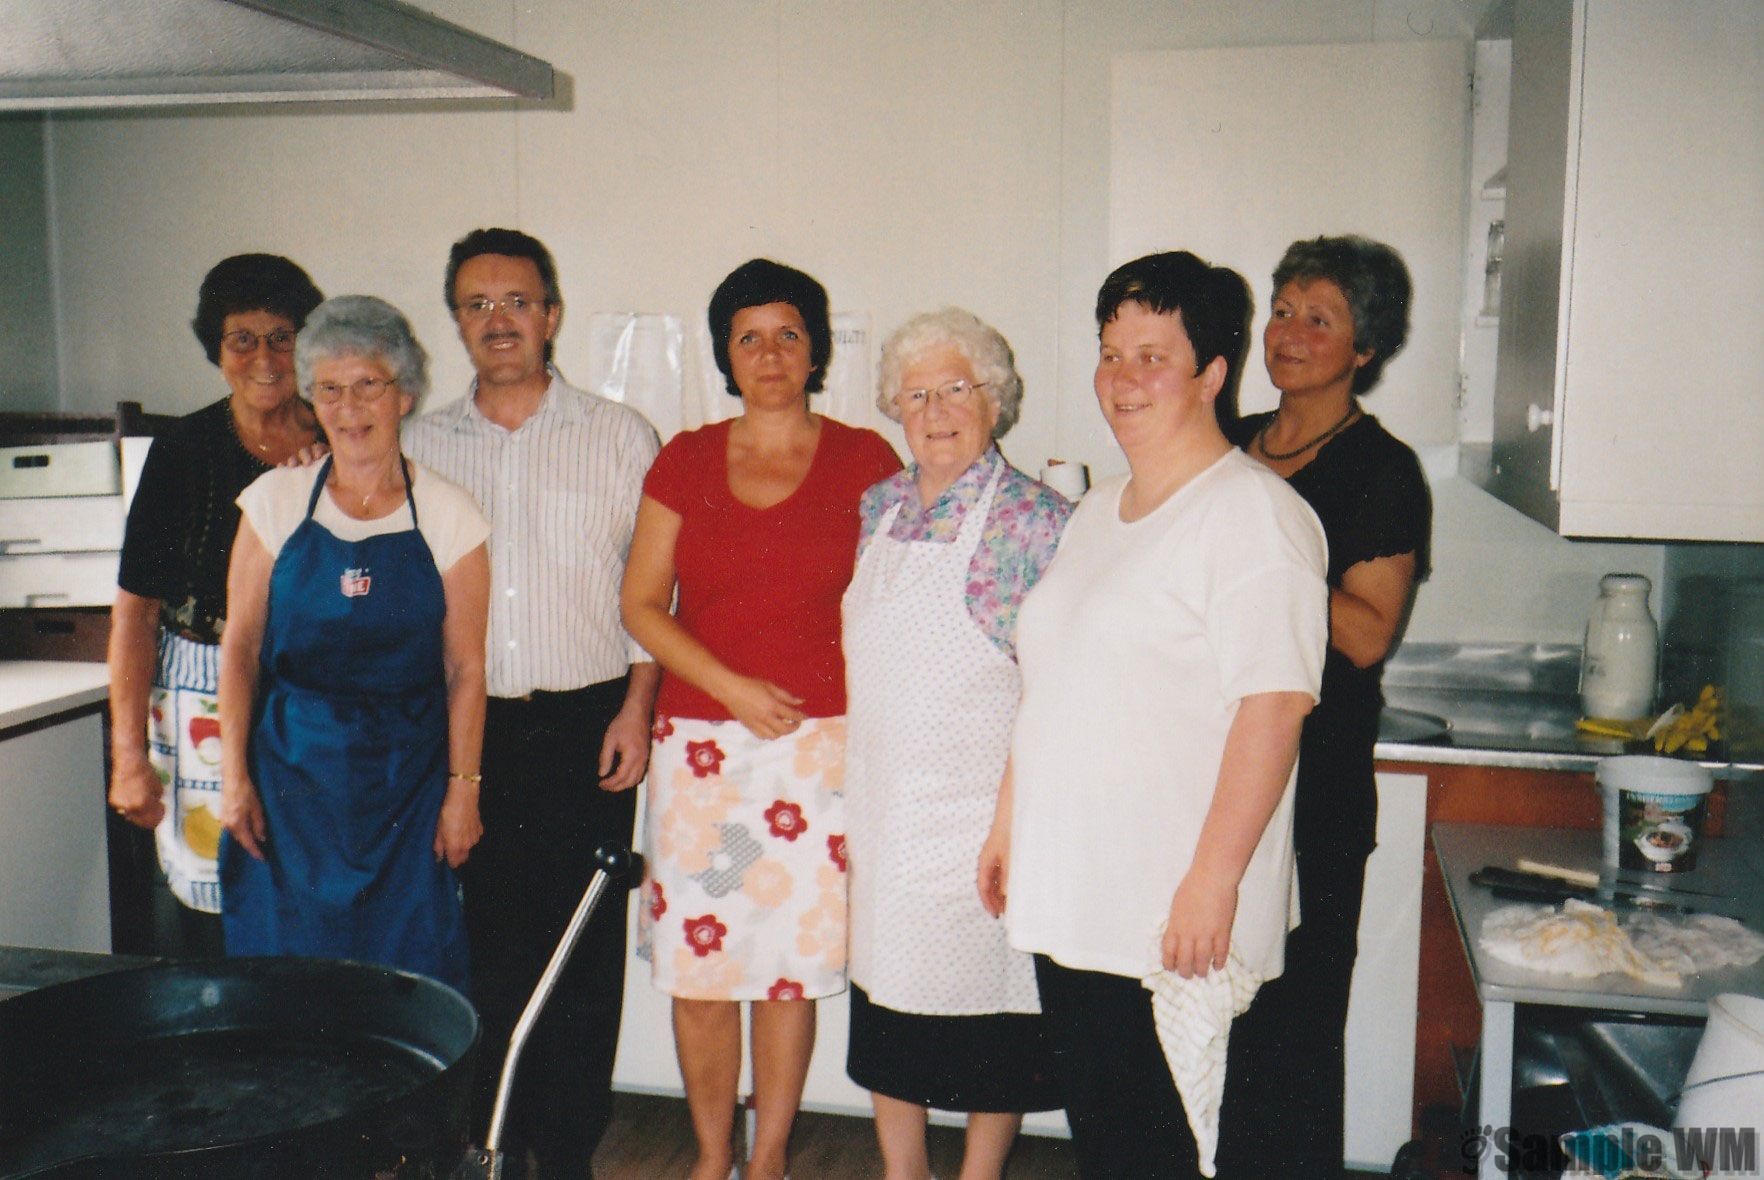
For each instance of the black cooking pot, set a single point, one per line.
(296, 1068)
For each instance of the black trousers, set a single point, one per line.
(1286, 1080)
(1128, 1122)
(544, 815)
(178, 932)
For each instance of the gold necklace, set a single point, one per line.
(377, 487)
(239, 433)
(1262, 437)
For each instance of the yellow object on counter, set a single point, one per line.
(1629, 731)
(1692, 729)
(1678, 728)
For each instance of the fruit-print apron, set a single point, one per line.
(183, 747)
(930, 705)
(349, 755)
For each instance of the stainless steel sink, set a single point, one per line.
(1489, 713)
(1410, 725)
(1610, 1067)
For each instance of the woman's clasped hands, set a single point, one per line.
(765, 709)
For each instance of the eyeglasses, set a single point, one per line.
(244, 341)
(483, 309)
(953, 394)
(366, 389)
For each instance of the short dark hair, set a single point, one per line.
(510, 243)
(1372, 279)
(251, 282)
(760, 281)
(1212, 302)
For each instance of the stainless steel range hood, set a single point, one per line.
(69, 54)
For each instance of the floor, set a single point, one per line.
(651, 1139)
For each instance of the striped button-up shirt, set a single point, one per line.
(561, 493)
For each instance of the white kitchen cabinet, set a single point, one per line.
(65, 524)
(1382, 1005)
(1631, 349)
(54, 867)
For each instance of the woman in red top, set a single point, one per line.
(754, 522)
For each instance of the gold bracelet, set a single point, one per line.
(466, 778)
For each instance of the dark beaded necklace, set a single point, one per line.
(1262, 437)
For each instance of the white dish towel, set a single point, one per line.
(1194, 1024)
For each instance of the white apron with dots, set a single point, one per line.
(930, 701)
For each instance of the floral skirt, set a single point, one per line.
(744, 888)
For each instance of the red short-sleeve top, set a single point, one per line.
(761, 587)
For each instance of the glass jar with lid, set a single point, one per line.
(1621, 657)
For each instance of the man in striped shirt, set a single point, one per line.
(559, 473)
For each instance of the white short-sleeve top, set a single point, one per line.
(1135, 649)
(275, 504)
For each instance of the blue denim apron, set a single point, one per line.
(349, 755)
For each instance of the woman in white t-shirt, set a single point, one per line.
(1169, 657)
(352, 676)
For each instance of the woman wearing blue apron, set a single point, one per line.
(348, 821)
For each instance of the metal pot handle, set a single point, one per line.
(616, 862)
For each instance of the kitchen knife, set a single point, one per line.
(1513, 885)
(1626, 878)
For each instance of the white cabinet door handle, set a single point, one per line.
(1537, 417)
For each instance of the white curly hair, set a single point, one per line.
(980, 344)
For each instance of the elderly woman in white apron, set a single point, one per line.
(943, 1013)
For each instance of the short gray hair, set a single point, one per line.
(980, 344)
(364, 326)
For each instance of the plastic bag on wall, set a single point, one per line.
(638, 359)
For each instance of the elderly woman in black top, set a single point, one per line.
(1340, 311)
(172, 584)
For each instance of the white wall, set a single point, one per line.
(1499, 576)
(909, 154)
(27, 325)
(1194, 164)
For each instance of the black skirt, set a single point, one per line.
(993, 1063)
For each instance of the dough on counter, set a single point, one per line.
(1690, 943)
(1578, 940)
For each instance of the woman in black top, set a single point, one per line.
(1340, 311)
(172, 584)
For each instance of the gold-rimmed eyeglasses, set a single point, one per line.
(953, 394)
(365, 389)
(515, 305)
(244, 341)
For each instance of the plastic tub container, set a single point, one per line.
(1653, 811)
(1724, 1089)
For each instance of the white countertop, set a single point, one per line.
(33, 689)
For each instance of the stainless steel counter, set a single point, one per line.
(1506, 705)
(1730, 867)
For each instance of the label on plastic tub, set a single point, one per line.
(1658, 833)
